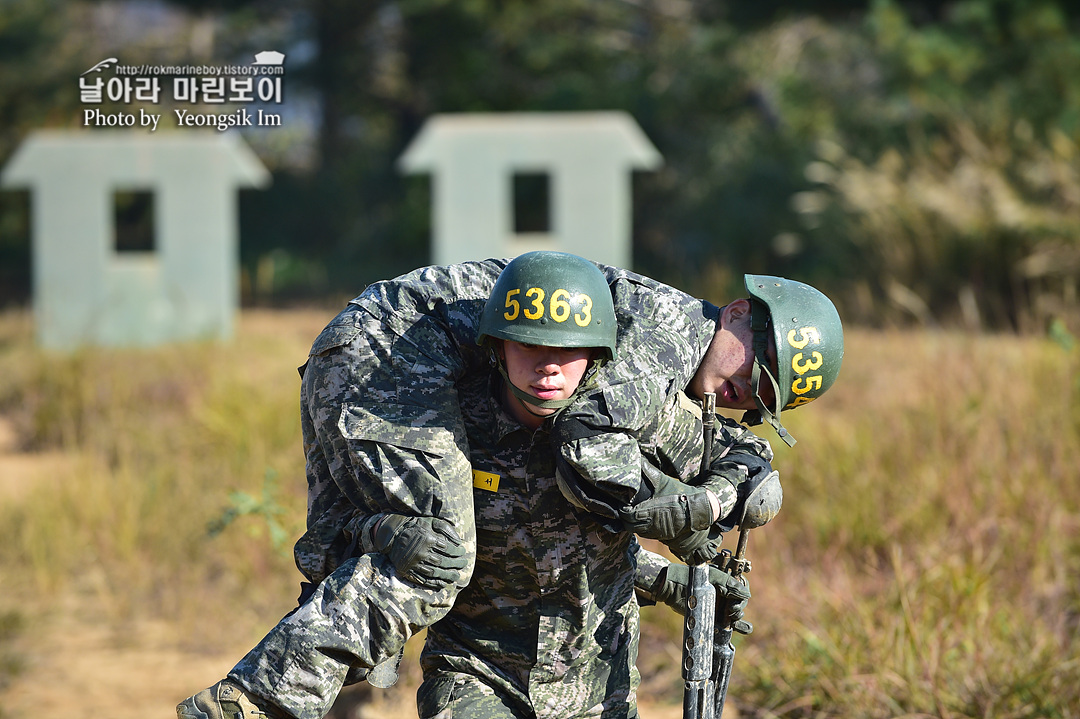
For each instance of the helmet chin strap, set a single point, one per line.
(526, 399)
(770, 416)
(759, 324)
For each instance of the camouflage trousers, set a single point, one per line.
(457, 695)
(488, 679)
(382, 432)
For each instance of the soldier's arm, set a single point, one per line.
(423, 550)
(658, 580)
(641, 482)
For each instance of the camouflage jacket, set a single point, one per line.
(549, 621)
(390, 425)
(629, 404)
(430, 318)
(381, 419)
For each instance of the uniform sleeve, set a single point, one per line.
(600, 435)
(738, 454)
(600, 473)
(614, 425)
(381, 419)
(383, 432)
(650, 566)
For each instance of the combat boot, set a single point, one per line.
(224, 700)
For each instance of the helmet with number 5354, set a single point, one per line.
(553, 299)
(809, 341)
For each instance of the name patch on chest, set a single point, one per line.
(485, 480)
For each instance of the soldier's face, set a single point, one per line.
(543, 372)
(728, 365)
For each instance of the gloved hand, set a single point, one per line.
(696, 546)
(424, 550)
(762, 500)
(673, 588)
(667, 518)
(760, 497)
(674, 510)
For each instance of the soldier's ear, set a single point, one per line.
(734, 312)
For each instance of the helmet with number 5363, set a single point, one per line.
(553, 299)
(809, 341)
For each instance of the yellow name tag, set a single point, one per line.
(485, 480)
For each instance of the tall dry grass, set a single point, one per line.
(163, 442)
(925, 562)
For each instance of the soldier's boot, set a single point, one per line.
(224, 700)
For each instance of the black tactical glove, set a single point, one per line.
(696, 547)
(424, 550)
(673, 588)
(675, 510)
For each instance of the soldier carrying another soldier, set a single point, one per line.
(399, 409)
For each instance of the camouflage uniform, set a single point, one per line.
(663, 336)
(384, 432)
(548, 627)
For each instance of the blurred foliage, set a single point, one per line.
(265, 509)
(12, 625)
(168, 494)
(916, 160)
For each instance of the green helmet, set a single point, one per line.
(809, 345)
(553, 299)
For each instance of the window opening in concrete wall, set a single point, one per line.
(532, 203)
(133, 221)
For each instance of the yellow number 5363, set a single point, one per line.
(560, 307)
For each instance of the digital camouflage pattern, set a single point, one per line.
(372, 445)
(548, 626)
(384, 432)
(634, 401)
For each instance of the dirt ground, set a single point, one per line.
(73, 667)
(68, 662)
(71, 664)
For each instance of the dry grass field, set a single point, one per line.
(924, 565)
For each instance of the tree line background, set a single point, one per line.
(918, 160)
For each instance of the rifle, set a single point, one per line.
(707, 673)
(698, 646)
(723, 650)
(699, 625)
